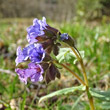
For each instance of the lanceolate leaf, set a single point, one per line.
(76, 102)
(102, 95)
(105, 105)
(67, 55)
(63, 91)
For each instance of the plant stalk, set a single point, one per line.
(81, 63)
(79, 79)
(76, 52)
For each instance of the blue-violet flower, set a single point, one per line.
(34, 72)
(36, 30)
(34, 52)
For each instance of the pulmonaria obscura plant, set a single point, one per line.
(44, 53)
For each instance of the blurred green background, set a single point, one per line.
(87, 21)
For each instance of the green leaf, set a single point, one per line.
(64, 107)
(102, 95)
(2, 88)
(23, 102)
(76, 102)
(67, 55)
(63, 91)
(105, 105)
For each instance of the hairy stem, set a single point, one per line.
(81, 63)
(76, 52)
(79, 79)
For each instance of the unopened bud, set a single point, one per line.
(67, 39)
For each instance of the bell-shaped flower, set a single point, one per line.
(34, 52)
(33, 72)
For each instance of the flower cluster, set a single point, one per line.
(42, 40)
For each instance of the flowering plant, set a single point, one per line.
(44, 53)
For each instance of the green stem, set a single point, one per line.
(82, 65)
(79, 79)
(76, 52)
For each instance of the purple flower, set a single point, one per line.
(21, 55)
(23, 76)
(36, 30)
(64, 36)
(34, 72)
(34, 52)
